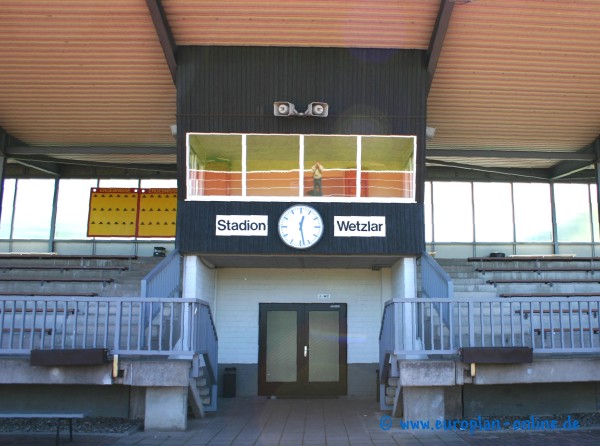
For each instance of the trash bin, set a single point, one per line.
(229, 382)
(159, 251)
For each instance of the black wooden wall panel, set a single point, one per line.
(369, 91)
(401, 222)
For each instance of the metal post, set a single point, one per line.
(3, 143)
(2, 167)
(53, 218)
(554, 225)
(514, 218)
(474, 250)
(597, 172)
(591, 211)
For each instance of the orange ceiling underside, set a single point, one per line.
(513, 74)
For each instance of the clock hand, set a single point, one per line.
(301, 231)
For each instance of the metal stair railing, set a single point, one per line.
(115, 323)
(549, 325)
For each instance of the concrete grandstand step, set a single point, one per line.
(461, 281)
(477, 288)
(460, 294)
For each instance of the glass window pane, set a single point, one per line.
(131, 184)
(330, 166)
(572, 203)
(272, 165)
(533, 214)
(159, 184)
(387, 166)
(8, 199)
(428, 214)
(214, 165)
(324, 346)
(282, 345)
(33, 209)
(452, 212)
(73, 208)
(493, 212)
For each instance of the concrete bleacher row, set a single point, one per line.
(557, 297)
(524, 276)
(72, 275)
(28, 276)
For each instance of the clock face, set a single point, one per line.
(300, 226)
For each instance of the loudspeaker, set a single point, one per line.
(284, 109)
(318, 109)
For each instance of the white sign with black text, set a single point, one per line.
(242, 225)
(362, 226)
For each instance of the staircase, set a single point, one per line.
(202, 392)
(549, 304)
(69, 302)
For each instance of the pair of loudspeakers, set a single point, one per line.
(316, 109)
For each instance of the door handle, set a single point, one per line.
(305, 351)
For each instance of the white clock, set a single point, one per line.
(300, 226)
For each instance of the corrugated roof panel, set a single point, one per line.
(350, 23)
(83, 71)
(519, 74)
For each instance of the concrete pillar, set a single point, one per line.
(190, 277)
(424, 403)
(199, 280)
(404, 286)
(166, 409)
(137, 402)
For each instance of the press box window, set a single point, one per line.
(344, 168)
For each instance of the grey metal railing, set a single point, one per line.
(182, 327)
(435, 282)
(164, 280)
(206, 341)
(551, 325)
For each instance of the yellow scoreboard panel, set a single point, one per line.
(158, 213)
(135, 212)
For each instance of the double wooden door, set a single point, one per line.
(302, 349)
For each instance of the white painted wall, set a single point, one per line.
(199, 281)
(404, 278)
(239, 292)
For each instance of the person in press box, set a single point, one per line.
(317, 173)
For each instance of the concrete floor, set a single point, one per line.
(338, 422)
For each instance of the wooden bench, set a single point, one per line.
(535, 258)
(526, 313)
(538, 331)
(542, 281)
(48, 331)
(58, 416)
(19, 328)
(510, 295)
(64, 268)
(537, 270)
(54, 279)
(39, 310)
(29, 293)
(54, 256)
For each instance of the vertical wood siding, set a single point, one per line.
(369, 91)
